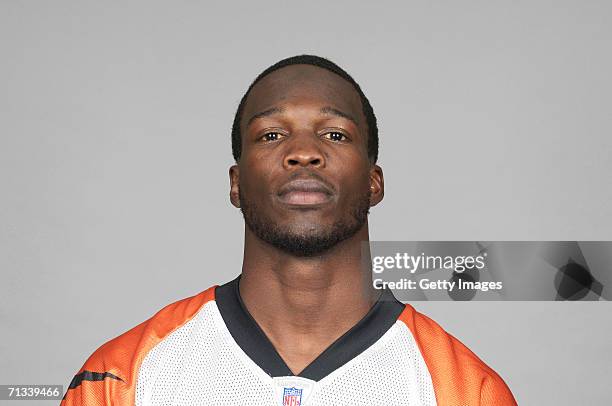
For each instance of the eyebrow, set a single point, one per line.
(339, 113)
(324, 110)
(265, 113)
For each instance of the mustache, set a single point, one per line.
(310, 175)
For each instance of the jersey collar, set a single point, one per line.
(253, 341)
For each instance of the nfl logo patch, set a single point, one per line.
(292, 396)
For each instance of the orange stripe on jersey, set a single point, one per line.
(459, 377)
(109, 375)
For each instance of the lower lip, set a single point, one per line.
(305, 198)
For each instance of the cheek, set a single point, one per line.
(355, 185)
(255, 177)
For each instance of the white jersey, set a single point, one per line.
(208, 350)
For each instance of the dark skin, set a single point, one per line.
(298, 121)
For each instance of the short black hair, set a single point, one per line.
(321, 63)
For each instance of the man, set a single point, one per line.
(302, 324)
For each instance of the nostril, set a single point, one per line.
(303, 160)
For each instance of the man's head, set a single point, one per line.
(305, 141)
(311, 60)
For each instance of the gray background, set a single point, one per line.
(115, 143)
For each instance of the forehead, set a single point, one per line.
(303, 84)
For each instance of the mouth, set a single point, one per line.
(305, 193)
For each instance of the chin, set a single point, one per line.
(306, 231)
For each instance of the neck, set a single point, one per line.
(304, 304)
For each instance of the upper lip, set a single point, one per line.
(305, 185)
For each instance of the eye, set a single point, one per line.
(336, 136)
(271, 136)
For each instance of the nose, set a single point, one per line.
(303, 151)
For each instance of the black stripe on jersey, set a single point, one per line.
(254, 342)
(91, 376)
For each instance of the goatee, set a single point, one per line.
(309, 243)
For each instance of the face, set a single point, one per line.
(304, 181)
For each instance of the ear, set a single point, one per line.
(377, 185)
(234, 175)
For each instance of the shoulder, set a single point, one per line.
(109, 374)
(459, 377)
